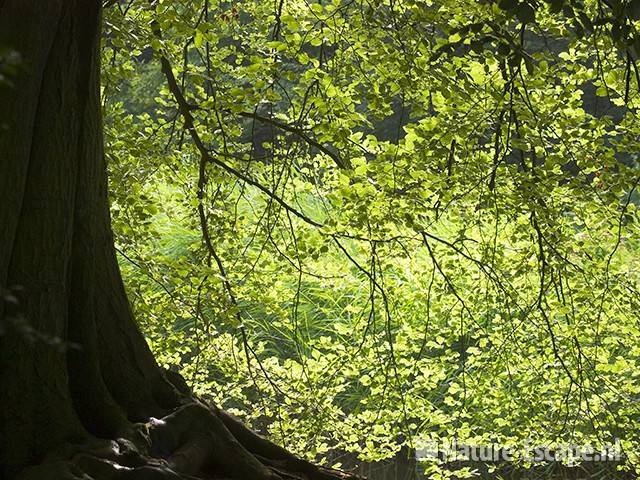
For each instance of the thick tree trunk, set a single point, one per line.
(74, 367)
(57, 254)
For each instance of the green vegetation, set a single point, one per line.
(360, 224)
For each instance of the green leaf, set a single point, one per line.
(198, 39)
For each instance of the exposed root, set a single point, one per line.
(274, 455)
(193, 442)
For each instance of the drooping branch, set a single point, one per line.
(185, 111)
(340, 162)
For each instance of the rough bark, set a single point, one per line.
(81, 394)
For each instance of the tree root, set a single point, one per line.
(193, 442)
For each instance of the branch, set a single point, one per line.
(185, 110)
(341, 163)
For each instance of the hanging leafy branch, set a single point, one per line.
(423, 216)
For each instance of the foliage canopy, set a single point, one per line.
(361, 223)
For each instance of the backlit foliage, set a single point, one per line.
(385, 220)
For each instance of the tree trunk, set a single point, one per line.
(71, 330)
(74, 367)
